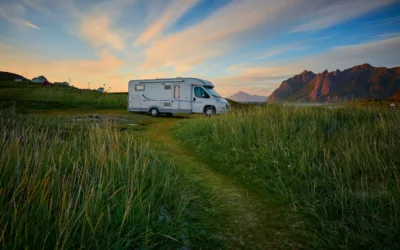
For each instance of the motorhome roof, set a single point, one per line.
(178, 79)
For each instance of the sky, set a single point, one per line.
(238, 45)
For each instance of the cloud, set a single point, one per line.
(221, 32)
(227, 86)
(15, 13)
(30, 25)
(96, 28)
(283, 49)
(39, 5)
(106, 62)
(387, 35)
(173, 12)
(257, 80)
(98, 24)
(263, 74)
(339, 12)
(378, 53)
(12, 13)
(97, 71)
(382, 22)
(213, 36)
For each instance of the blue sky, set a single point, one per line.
(247, 45)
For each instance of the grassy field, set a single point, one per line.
(338, 166)
(87, 185)
(376, 103)
(78, 171)
(33, 96)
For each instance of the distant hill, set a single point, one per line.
(7, 76)
(244, 97)
(359, 82)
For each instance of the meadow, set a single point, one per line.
(86, 185)
(276, 176)
(30, 96)
(340, 167)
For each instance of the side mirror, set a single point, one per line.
(194, 99)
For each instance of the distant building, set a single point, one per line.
(61, 83)
(39, 79)
(100, 90)
(18, 79)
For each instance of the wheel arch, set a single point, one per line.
(153, 107)
(209, 106)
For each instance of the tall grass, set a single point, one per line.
(338, 166)
(29, 97)
(69, 186)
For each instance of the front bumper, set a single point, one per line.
(223, 109)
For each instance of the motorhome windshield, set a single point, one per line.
(212, 91)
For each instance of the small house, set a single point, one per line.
(39, 79)
(61, 83)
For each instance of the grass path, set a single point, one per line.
(250, 222)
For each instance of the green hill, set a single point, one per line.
(27, 96)
(7, 76)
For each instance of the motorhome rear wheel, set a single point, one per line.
(154, 112)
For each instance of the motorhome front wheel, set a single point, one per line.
(209, 111)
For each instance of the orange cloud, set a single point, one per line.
(81, 71)
(97, 30)
(30, 25)
(227, 86)
(266, 78)
(176, 9)
(213, 36)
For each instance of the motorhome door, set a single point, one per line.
(199, 98)
(134, 96)
(176, 98)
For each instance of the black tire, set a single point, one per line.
(169, 114)
(209, 111)
(154, 112)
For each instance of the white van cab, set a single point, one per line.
(175, 95)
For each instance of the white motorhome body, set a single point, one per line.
(175, 95)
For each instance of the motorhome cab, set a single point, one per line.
(175, 95)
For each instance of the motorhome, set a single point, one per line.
(175, 95)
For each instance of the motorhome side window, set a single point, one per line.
(200, 93)
(139, 87)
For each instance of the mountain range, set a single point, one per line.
(244, 97)
(359, 82)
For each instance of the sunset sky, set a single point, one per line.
(248, 45)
